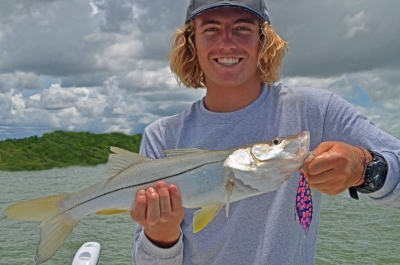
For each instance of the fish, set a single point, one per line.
(206, 179)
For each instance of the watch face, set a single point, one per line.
(376, 173)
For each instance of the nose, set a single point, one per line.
(227, 41)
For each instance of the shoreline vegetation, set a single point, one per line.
(62, 149)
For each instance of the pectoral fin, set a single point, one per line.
(204, 216)
(113, 212)
(229, 188)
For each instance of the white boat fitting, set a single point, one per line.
(87, 254)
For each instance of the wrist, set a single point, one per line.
(367, 158)
(165, 238)
(374, 176)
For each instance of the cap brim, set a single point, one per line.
(222, 6)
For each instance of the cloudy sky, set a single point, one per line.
(99, 66)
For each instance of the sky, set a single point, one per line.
(100, 65)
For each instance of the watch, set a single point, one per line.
(374, 176)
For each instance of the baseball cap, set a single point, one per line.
(257, 7)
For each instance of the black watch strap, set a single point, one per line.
(374, 176)
(353, 193)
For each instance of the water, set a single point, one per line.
(351, 232)
(18, 240)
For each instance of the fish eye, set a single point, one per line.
(276, 141)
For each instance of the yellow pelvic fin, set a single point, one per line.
(204, 216)
(113, 212)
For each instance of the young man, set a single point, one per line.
(229, 48)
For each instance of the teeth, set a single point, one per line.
(228, 61)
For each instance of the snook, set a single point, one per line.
(206, 179)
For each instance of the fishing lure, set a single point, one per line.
(304, 206)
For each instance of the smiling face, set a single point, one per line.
(227, 44)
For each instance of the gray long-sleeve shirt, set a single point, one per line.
(262, 229)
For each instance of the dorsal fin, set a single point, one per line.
(121, 160)
(182, 151)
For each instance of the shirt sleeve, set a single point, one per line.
(144, 252)
(343, 122)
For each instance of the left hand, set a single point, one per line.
(336, 167)
(159, 210)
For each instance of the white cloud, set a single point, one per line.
(57, 98)
(20, 81)
(382, 106)
(384, 119)
(340, 85)
(99, 65)
(355, 25)
(393, 105)
(95, 9)
(381, 85)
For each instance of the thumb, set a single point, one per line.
(323, 148)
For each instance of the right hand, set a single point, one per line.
(336, 167)
(159, 210)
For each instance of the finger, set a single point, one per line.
(319, 181)
(176, 202)
(321, 163)
(327, 183)
(321, 178)
(323, 148)
(165, 204)
(138, 214)
(310, 157)
(153, 206)
(331, 190)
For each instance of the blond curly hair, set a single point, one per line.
(187, 70)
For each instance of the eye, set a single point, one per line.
(276, 141)
(211, 29)
(242, 28)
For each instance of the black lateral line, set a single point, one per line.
(144, 183)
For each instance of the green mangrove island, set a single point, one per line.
(62, 149)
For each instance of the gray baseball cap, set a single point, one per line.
(257, 7)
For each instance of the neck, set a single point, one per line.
(225, 99)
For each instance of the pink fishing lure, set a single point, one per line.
(304, 206)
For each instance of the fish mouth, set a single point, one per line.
(298, 146)
(303, 139)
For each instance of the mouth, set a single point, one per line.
(304, 143)
(304, 139)
(228, 61)
(298, 145)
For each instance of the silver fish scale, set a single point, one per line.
(183, 171)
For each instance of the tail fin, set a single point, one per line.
(54, 228)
